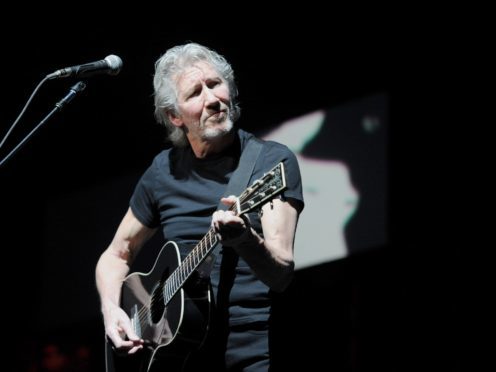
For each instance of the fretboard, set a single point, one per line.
(197, 255)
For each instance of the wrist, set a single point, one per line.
(248, 239)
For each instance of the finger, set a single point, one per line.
(230, 220)
(220, 218)
(131, 335)
(229, 201)
(128, 344)
(215, 218)
(116, 339)
(135, 349)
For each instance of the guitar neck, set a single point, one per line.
(197, 255)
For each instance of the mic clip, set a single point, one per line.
(77, 88)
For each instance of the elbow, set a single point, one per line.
(283, 270)
(284, 277)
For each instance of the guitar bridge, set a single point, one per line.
(135, 323)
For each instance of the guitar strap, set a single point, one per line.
(238, 182)
(241, 176)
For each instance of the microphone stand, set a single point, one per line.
(77, 88)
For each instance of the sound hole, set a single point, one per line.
(158, 303)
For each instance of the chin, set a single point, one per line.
(219, 130)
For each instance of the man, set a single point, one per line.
(195, 98)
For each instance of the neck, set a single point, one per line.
(202, 147)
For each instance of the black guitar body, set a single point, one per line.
(172, 329)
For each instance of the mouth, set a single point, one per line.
(218, 116)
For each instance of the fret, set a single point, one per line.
(166, 291)
(175, 279)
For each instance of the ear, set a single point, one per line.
(175, 119)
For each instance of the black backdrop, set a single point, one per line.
(365, 313)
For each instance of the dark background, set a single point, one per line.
(387, 309)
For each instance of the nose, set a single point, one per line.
(211, 100)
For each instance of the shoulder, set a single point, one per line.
(162, 157)
(276, 146)
(161, 160)
(156, 167)
(268, 145)
(277, 150)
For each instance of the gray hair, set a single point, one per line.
(172, 63)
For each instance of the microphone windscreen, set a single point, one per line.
(115, 64)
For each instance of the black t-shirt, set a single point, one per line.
(179, 192)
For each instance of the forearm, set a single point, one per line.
(270, 259)
(110, 273)
(114, 263)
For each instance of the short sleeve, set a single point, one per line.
(143, 203)
(275, 153)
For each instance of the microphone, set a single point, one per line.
(109, 65)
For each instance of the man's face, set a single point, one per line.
(203, 101)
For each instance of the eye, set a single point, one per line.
(214, 83)
(194, 93)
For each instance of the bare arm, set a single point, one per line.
(111, 269)
(271, 257)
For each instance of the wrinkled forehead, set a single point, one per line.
(194, 72)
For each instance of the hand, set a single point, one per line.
(231, 230)
(120, 332)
